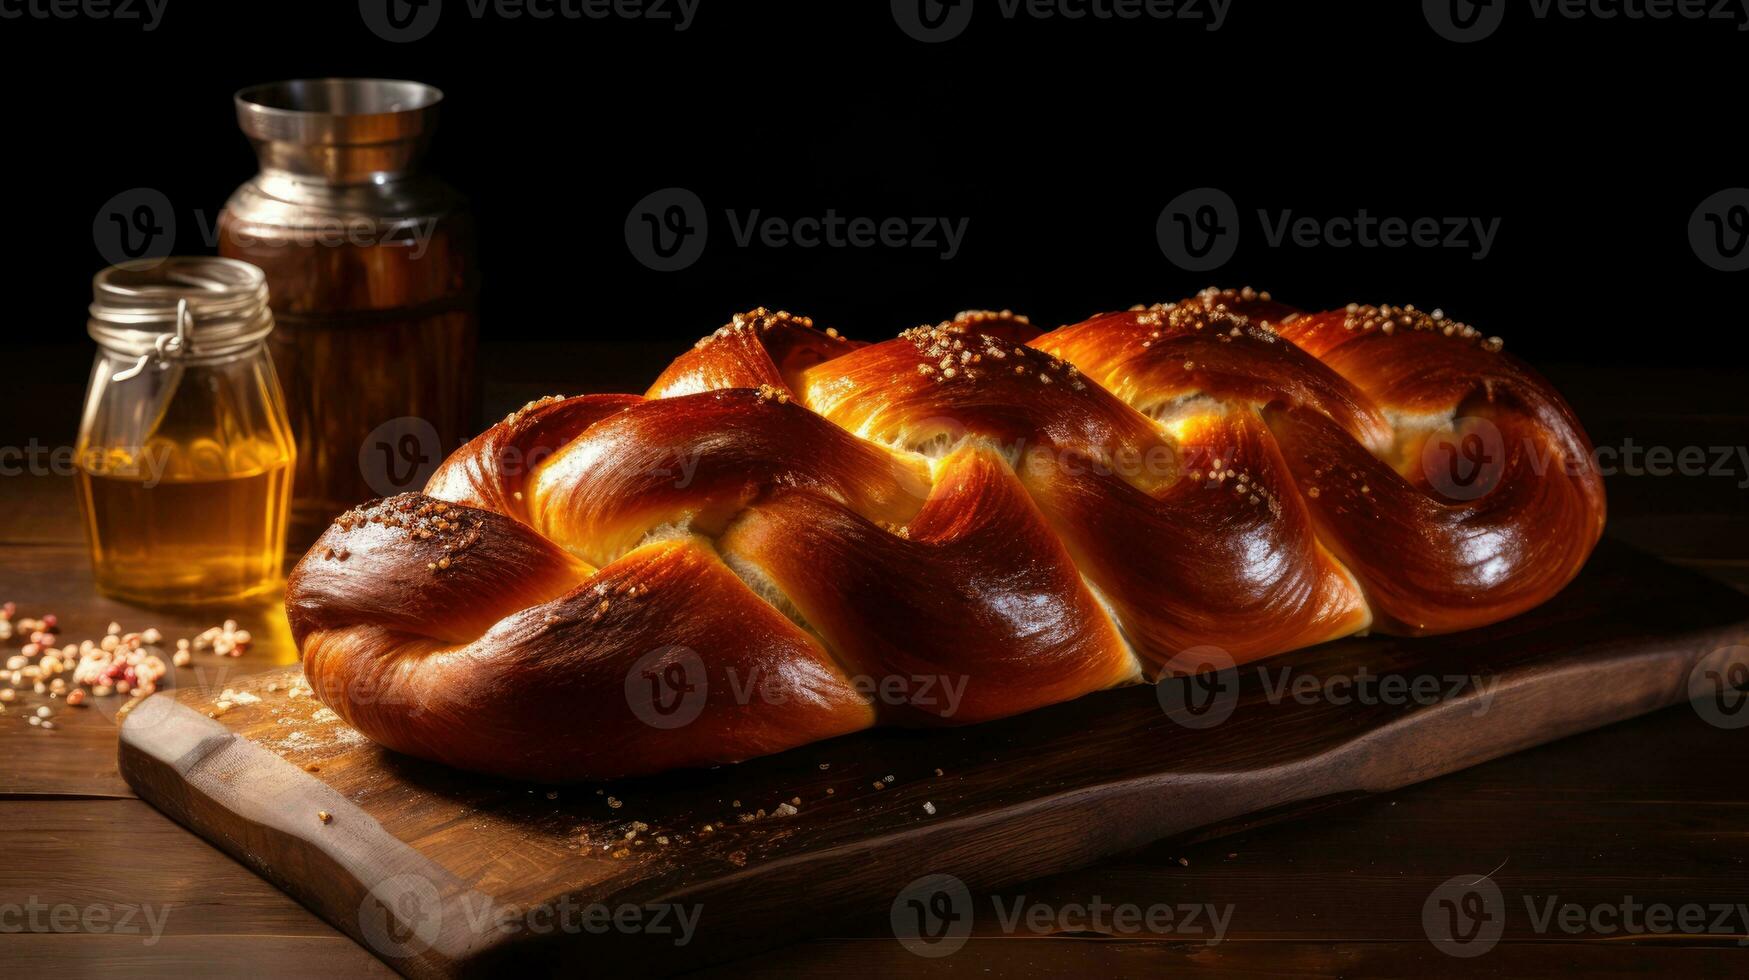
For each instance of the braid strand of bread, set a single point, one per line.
(793, 536)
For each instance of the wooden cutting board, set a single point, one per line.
(443, 873)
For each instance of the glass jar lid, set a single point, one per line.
(182, 306)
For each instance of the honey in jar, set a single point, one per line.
(185, 457)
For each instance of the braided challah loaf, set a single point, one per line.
(792, 536)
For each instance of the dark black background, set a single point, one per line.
(1593, 141)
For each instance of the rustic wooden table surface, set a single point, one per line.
(1639, 816)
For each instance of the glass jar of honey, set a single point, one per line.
(185, 456)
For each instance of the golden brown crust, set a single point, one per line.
(700, 459)
(427, 566)
(492, 470)
(755, 348)
(1034, 636)
(796, 535)
(935, 386)
(660, 660)
(1226, 556)
(1155, 358)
